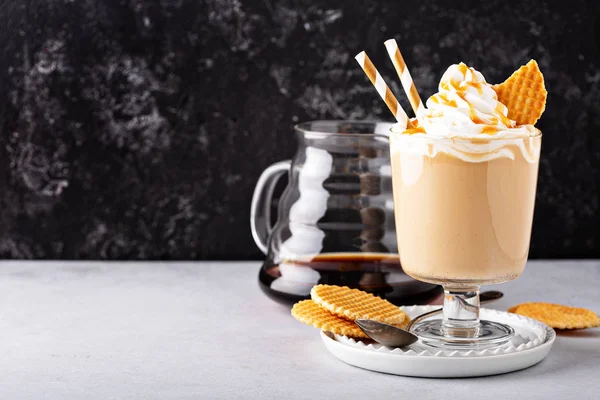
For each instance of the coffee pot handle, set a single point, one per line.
(260, 209)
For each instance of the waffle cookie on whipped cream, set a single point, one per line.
(524, 94)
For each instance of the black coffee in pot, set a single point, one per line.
(381, 274)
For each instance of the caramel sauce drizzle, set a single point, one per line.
(461, 88)
(412, 131)
(489, 130)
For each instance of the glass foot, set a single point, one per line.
(487, 334)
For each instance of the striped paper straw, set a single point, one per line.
(384, 91)
(404, 75)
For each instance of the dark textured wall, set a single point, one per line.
(137, 129)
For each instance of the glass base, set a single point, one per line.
(487, 334)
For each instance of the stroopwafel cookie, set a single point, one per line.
(310, 313)
(353, 304)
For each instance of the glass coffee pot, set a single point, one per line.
(335, 219)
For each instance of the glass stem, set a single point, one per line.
(461, 312)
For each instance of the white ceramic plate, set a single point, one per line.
(531, 344)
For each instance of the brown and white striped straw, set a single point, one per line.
(404, 75)
(382, 88)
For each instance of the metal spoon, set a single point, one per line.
(392, 336)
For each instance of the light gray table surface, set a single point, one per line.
(112, 330)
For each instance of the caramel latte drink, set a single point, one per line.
(464, 179)
(464, 209)
(464, 186)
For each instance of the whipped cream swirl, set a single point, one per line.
(466, 106)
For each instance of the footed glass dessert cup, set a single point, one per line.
(464, 211)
